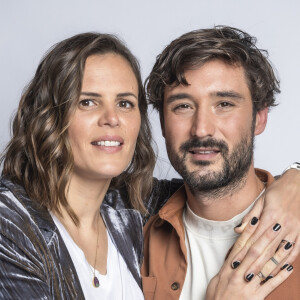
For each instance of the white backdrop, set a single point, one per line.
(28, 28)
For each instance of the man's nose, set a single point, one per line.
(203, 123)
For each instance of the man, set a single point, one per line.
(213, 89)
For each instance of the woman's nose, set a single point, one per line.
(109, 117)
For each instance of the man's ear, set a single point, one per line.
(261, 121)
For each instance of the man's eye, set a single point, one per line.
(125, 104)
(181, 107)
(86, 102)
(225, 104)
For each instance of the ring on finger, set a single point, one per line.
(274, 260)
(261, 276)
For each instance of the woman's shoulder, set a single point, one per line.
(20, 217)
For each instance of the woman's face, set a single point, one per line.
(106, 122)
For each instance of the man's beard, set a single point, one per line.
(215, 183)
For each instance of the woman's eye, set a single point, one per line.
(125, 104)
(86, 102)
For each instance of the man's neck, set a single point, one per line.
(230, 201)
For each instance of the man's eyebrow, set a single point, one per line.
(180, 96)
(229, 94)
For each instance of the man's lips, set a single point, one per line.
(204, 151)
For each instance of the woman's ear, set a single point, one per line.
(261, 121)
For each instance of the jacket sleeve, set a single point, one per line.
(22, 263)
(20, 277)
(161, 192)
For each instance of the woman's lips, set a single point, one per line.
(109, 143)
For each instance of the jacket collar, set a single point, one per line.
(125, 229)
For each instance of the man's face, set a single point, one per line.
(209, 126)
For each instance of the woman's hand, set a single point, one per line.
(280, 205)
(262, 275)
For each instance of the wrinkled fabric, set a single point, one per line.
(34, 261)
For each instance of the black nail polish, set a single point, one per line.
(288, 245)
(235, 264)
(254, 221)
(239, 225)
(284, 266)
(276, 227)
(249, 277)
(290, 268)
(269, 277)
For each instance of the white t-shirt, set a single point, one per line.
(117, 284)
(207, 244)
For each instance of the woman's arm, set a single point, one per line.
(281, 204)
(21, 274)
(231, 281)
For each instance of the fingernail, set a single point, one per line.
(290, 268)
(235, 264)
(269, 277)
(249, 277)
(276, 227)
(288, 245)
(254, 221)
(239, 225)
(284, 266)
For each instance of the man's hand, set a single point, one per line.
(281, 205)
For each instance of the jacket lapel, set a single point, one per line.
(125, 229)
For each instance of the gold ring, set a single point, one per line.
(261, 276)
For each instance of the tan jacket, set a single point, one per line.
(165, 255)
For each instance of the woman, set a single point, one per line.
(81, 122)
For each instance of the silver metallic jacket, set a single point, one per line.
(34, 261)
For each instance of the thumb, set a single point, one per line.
(254, 212)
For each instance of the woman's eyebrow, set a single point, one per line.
(90, 94)
(127, 94)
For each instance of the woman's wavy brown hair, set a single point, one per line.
(39, 156)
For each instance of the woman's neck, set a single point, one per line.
(85, 197)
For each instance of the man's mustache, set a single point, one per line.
(207, 143)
